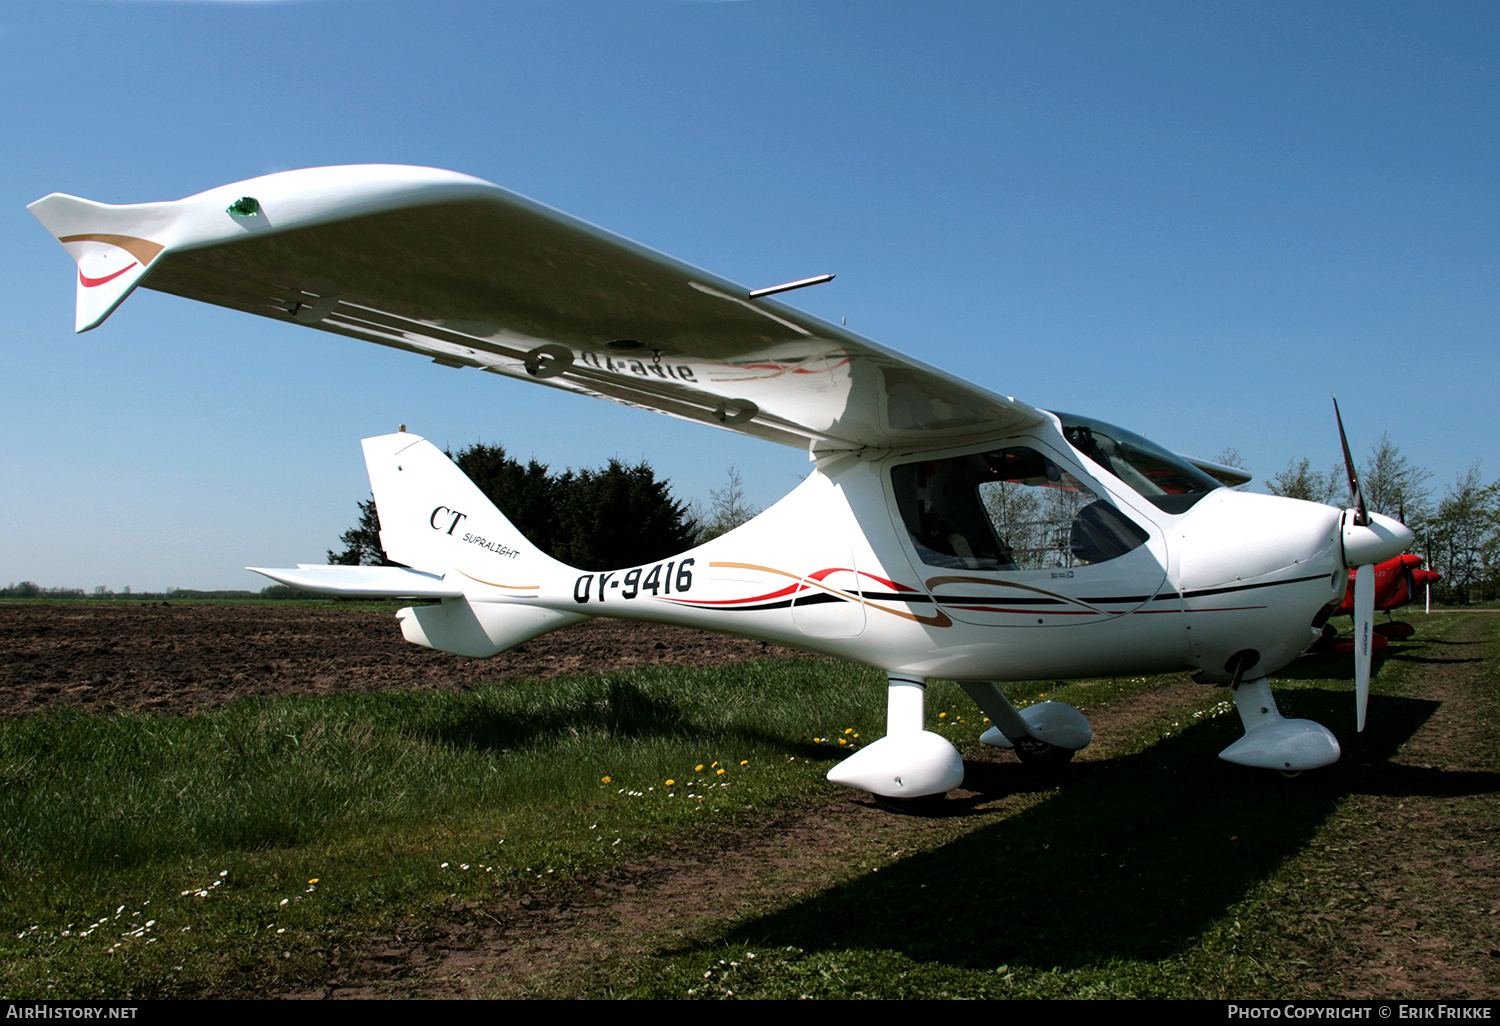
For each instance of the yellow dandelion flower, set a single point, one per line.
(849, 730)
(744, 762)
(698, 768)
(720, 770)
(604, 780)
(671, 782)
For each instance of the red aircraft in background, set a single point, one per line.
(1397, 582)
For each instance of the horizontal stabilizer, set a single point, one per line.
(365, 581)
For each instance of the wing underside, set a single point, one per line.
(470, 275)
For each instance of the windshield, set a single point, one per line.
(1164, 478)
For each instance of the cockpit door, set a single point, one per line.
(1019, 536)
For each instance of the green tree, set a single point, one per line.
(593, 519)
(621, 516)
(1465, 535)
(727, 509)
(362, 541)
(1300, 481)
(528, 495)
(1391, 485)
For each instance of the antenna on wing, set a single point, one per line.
(816, 279)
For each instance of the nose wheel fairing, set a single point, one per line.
(1273, 742)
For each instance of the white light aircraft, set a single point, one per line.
(944, 531)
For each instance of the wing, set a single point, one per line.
(471, 275)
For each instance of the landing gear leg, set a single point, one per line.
(909, 762)
(1045, 734)
(1274, 742)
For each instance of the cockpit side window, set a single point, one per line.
(1008, 509)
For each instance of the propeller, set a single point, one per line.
(1356, 496)
(1364, 616)
(1368, 538)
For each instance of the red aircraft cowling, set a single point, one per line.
(1396, 583)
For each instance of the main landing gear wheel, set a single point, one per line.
(1041, 755)
(1044, 736)
(909, 766)
(925, 805)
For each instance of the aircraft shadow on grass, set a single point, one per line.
(1127, 861)
(1336, 666)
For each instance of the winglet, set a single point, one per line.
(108, 244)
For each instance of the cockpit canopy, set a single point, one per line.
(1016, 509)
(1163, 478)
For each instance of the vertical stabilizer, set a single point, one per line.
(433, 518)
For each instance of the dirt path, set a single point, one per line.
(1416, 907)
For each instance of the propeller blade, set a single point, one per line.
(1364, 625)
(1356, 497)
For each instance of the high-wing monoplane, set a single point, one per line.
(944, 531)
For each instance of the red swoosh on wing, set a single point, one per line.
(90, 283)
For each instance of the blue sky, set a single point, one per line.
(1195, 220)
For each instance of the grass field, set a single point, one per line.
(265, 847)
